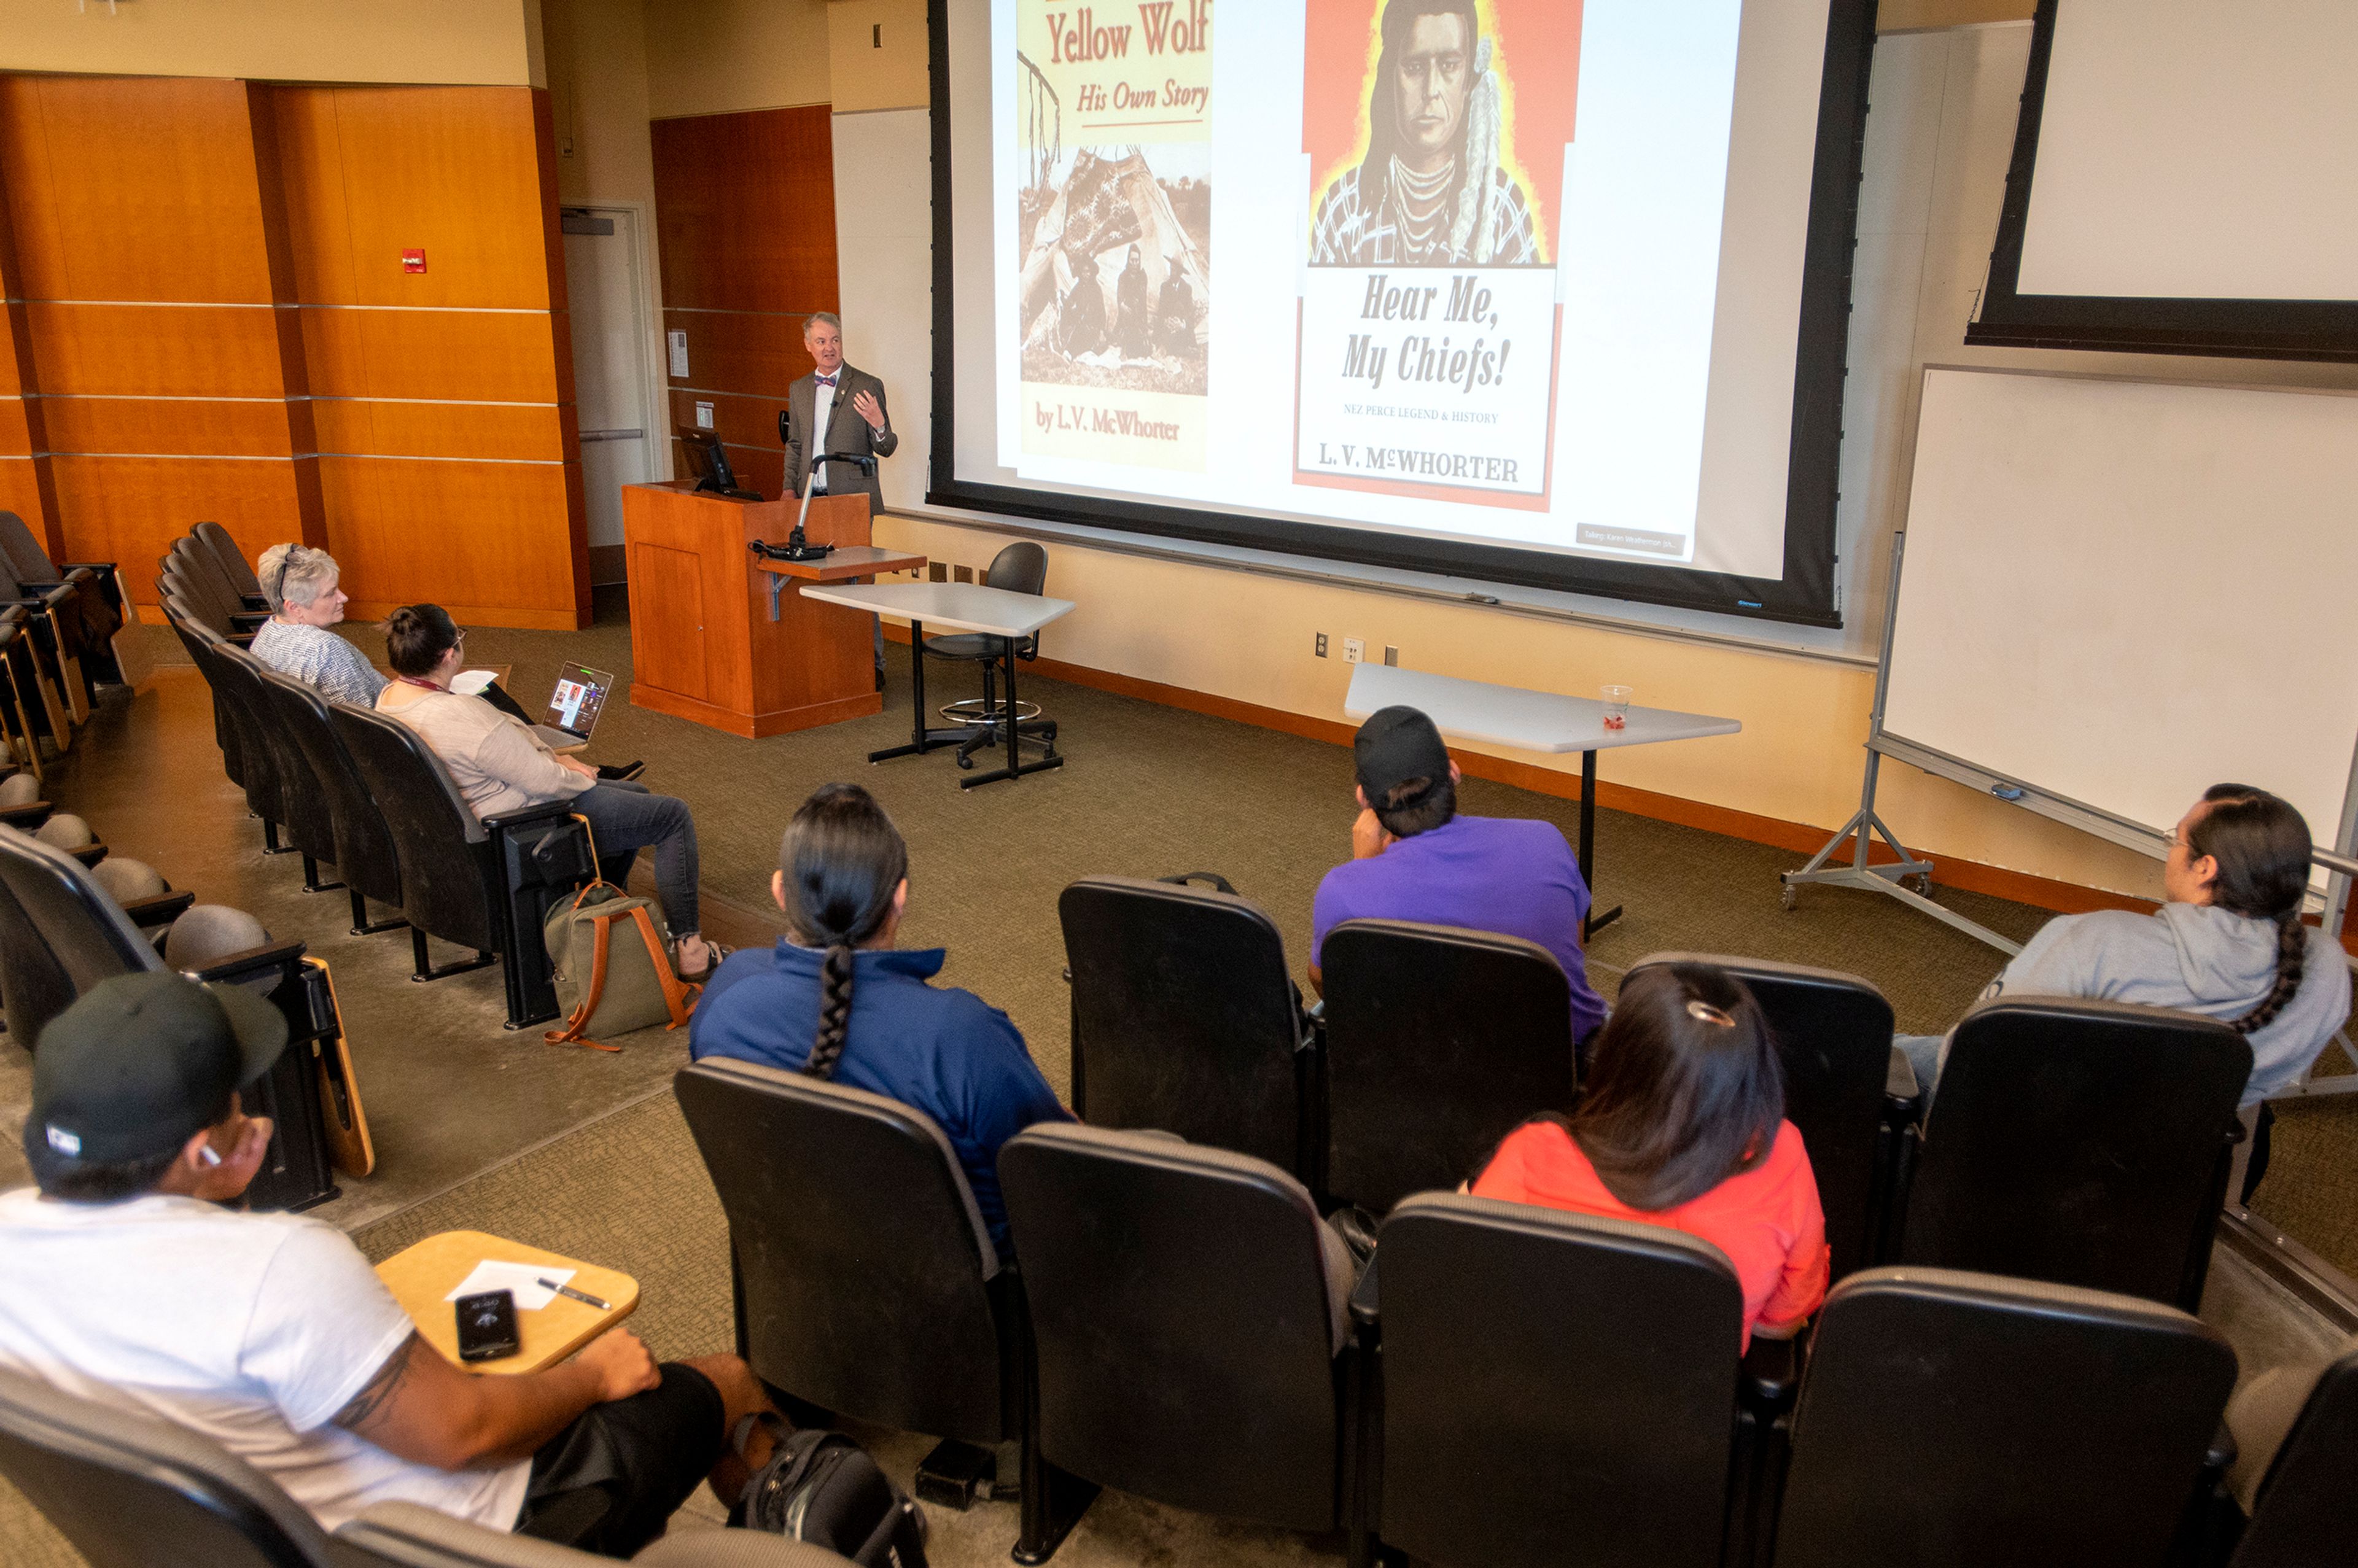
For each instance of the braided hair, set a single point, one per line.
(842, 861)
(2262, 847)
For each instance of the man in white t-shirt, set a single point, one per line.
(127, 1282)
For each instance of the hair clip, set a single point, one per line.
(1703, 1012)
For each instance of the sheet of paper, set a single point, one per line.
(471, 683)
(522, 1279)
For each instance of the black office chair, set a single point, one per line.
(2295, 1428)
(60, 934)
(57, 611)
(484, 883)
(303, 795)
(37, 670)
(1439, 1042)
(235, 569)
(1021, 568)
(131, 1492)
(20, 731)
(1189, 1313)
(1833, 1041)
(1954, 1419)
(1554, 1388)
(364, 853)
(195, 640)
(866, 1280)
(2080, 1143)
(1185, 1018)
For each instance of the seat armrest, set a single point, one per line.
(255, 601)
(530, 817)
(240, 639)
(1770, 1374)
(1366, 1302)
(1900, 1077)
(61, 594)
(248, 621)
(244, 964)
(161, 909)
(2222, 1455)
(28, 816)
(89, 854)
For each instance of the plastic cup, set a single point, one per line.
(1617, 705)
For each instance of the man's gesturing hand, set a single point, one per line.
(623, 1364)
(864, 404)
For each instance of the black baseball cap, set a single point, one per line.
(1395, 745)
(141, 1064)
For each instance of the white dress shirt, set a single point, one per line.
(822, 405)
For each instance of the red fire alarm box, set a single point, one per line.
(413, 261)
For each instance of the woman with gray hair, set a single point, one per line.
(300, 583)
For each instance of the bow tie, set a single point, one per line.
(827, 381)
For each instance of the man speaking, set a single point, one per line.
(846, 407)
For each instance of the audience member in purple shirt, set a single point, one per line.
(1413, 858)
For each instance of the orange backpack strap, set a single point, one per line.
(571, 1034)
(677, 993)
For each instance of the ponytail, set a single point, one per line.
(833, 1012)
(842, 861)
(2262, 846)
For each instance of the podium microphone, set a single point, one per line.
(798, 548)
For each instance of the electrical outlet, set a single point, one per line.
(1322, 644)
(1354, 651)
(1391, 655)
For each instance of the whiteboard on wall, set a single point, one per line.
(2118, 593)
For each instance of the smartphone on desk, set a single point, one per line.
(487, 1326)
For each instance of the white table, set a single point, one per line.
(1530, 721)
(966, 606)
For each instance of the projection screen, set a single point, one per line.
(1551, 292)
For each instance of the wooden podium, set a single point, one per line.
(710, 641)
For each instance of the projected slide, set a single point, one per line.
(1523, 275)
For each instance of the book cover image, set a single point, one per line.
(1437, 133)
(1113, 229)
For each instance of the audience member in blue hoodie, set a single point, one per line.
(834, 998)
(2229, 944)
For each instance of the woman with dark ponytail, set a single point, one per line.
(2229, 944)
(835, 1000)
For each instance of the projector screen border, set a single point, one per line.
(2323, 331)
(1805, 595)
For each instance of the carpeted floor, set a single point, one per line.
(587, 1154)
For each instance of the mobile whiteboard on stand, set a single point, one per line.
(2109, 595)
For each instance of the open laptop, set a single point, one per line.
(574, 705)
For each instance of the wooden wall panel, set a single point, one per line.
(150, 193)
(486, 541)
(129, 510)
(745, 210)
(744, 291)
(155, 351)
(136, 215)
(101, 425)
(453, 171)
(20, 490)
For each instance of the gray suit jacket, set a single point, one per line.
(846, 432)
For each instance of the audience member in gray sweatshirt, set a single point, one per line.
(2229, 945)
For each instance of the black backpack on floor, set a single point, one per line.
(822, 1488)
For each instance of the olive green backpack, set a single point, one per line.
(611, 958)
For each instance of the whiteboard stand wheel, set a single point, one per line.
(1922, 883)
(1790, 897)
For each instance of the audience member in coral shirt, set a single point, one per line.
(1682, 1124)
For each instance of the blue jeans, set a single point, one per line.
(628, 817)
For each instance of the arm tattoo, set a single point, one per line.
(370, 1402)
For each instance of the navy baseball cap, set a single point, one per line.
(1395, 745)
(141, 1064)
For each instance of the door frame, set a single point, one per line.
(655, 389)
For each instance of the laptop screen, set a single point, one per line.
(580, 693)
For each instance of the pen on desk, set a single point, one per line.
(569, 1292)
